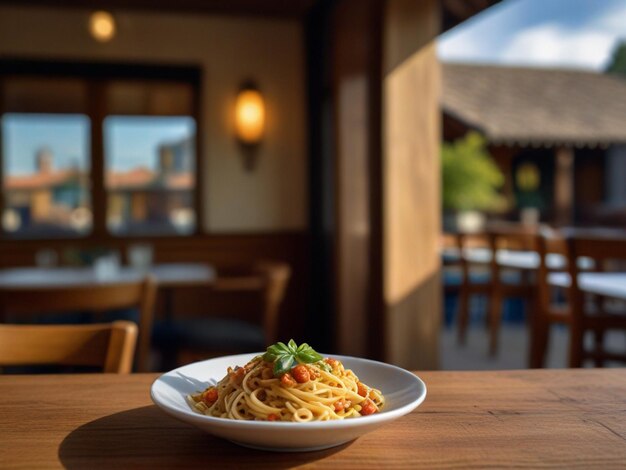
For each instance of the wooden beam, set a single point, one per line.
(270, 8)
(563, 186)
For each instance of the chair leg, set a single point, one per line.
(495, 317)
(598, 338)
(539, 340)
(463, 313)
(576, 337)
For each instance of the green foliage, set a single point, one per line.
(618, 61)
(470, 178)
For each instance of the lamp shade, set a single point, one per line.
(250, 116)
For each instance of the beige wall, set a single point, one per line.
(230, 50)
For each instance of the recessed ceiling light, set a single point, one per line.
(102, 26)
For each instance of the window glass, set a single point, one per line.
(46, 188)
(150, 174)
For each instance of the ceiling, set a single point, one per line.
(453, 11)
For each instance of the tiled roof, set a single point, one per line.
(39, 180)
(135, 178)
(517, 105)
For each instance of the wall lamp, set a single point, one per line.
(249, 122)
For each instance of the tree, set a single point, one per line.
(617, 65)
(470, 178)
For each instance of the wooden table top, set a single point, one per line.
(610, 284)
(539, 418)
(165, 274)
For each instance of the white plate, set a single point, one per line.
(403, 392)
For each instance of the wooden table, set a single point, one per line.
(514, 259)
(538, 418)
(166, 275)
(604, 283)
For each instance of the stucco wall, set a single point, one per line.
(229, 50)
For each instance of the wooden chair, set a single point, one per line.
(110, 346)
(240, 313)
(509, 237)
(475, 280)
(603, 249)
(19, 302)
(550, 310)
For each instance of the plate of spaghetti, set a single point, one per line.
(289, 398)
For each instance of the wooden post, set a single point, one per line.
(411, 183)
(356, 90)
(564, 186)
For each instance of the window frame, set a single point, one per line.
(97, 75)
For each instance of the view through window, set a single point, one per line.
(46, 174)
(50, 132)
(150, 174)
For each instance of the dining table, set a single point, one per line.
(609, 284)
(166, 275)
(560, 418)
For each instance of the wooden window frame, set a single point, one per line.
(97, 75)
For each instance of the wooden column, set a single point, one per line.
(411, 183)
(563, 186)
(356, 94)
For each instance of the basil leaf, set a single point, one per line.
(308, 357)
(303, 347)
(293, 347)
(269, 356)
(283, 364)
(276, 351)
(282, 347)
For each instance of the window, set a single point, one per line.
(150, 174)
(46, 174)
(135, 126)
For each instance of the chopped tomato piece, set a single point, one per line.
(368, 407)
(362, 389)
(272, 417)
(342, 404)
(210, 396)
(286, 380)
(301, 374)
(334, 363)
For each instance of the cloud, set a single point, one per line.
(559, 33)
(552, 45)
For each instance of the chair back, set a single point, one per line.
(549, 243)
(275, 280)
(109, 346)
(604, 248)
(591, 312)
(259, 289)
(24, 301)
(513, 237)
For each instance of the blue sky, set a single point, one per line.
(543, 33)
(22, 136)
(129, 141)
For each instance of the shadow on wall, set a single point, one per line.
(412, 328)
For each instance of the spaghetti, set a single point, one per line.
(315, 391)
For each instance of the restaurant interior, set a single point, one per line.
(188, 180)
(226, 175)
